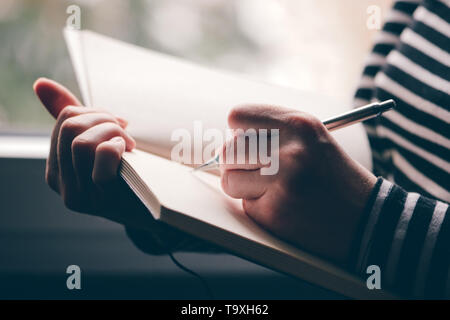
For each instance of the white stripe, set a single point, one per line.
(366, 82)
(419, 178)
(428, 247)
(399, 236)
(383, 193)
(432, 20)
(430, 157)
(375, 59)
(418, 72)
(386, 83)
(414, 40)
(446, 2)
(358, 102)
(398, 16)
(417, 129)
(386, 37)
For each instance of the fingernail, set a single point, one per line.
(123, 123)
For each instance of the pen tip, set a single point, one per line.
(388, 104)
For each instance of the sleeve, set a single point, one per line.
(388, 38)
(408, 237)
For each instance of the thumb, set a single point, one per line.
(54, 96)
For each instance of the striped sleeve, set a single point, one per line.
(407, 236)
(396, 21)
(411, 144)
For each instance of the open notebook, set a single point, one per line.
(157, 94)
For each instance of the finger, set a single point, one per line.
(123, 123)
(248, 152)
(259, 117)
(244, 184)
(108, 155)
(75, 120)
(83, 150)
(54, 96)
(261, 210)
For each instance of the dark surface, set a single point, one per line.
(39, 238)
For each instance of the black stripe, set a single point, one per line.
(438, 8)
(385, 227)
(401, 179)
(379, 143)
(432, 35)
(383, 48)
(440, 262)
(364, 93)
(371, 123)
(425, 61)
(405, 7)
(433, 148)
(421, 89)
(428, 169)
(413, 245)
(371, 70)
(394, 27)
(413, 113)
(378, 169)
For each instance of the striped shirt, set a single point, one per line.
(405, 228)
(407, 233)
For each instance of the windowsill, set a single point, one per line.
(29, 147)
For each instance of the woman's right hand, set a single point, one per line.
(86, 149)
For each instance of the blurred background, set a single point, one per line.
(314, 45)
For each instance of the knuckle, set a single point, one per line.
(237, 113)
(111, 153)
(113, 128)
(293, 151)
(82, 146)
(306, 124)
(70, 128)
(70, 111)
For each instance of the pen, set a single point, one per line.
(346, 119)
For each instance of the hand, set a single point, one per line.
(86, 149)
(316, 199)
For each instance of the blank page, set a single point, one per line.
(158, 93)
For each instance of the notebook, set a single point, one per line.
(158, 94)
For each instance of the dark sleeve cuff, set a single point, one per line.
(407, 236)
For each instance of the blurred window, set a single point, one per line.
(315, 45)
